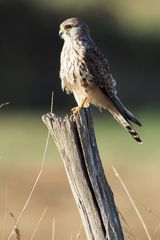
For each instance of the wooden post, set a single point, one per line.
(76, 142)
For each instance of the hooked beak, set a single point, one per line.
(61, 34)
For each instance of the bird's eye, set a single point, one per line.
(68, 26)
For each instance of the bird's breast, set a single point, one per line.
(73, 74)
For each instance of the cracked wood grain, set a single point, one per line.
(76, 142)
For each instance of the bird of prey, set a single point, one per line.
(85, 72)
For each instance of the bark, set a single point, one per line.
(76, 142)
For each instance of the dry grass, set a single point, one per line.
(132, 202)
(16, 229)
(53, 191)
(3, 104)
(53, 229)
(38, 223)
(32, 190)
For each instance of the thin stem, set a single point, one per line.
(133, 204)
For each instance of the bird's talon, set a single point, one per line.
(75, 110)
(72, 117)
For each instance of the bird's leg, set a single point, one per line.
(76, 109)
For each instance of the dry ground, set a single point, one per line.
(53, 192)
(22, 141)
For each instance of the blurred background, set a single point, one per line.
(128, 33)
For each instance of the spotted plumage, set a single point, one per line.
(85, 72)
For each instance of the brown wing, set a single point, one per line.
(98, 67)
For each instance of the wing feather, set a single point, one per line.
(98, 67)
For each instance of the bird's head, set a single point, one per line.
(72, 29)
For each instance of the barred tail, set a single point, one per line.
(127, 126)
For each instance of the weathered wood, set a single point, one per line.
(77, 145)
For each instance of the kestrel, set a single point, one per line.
(85, 72)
